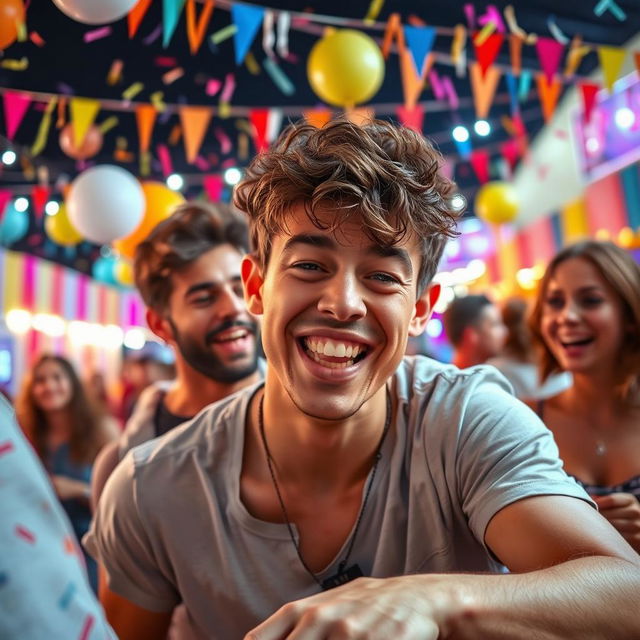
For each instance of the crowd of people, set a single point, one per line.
(338, 487)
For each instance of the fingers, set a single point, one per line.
(276, 627)
(615, 500)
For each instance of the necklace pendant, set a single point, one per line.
(342, 577)
(601, 448)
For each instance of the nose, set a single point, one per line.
(342, 298)
(569, 312)
(230, 304)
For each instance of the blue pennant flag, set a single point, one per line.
(247, 20)
(171, 10)
(420, 42)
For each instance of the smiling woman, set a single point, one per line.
(586, 320)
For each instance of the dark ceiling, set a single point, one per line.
(66, 65)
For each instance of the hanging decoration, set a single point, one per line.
(497, 203)
(94, 12)
(11, 17)
(90, 146)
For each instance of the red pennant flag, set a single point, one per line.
(480, 163)
(39, 196)
(549, 53)
(487, 52)
(259, 119)
(588, 91)
(5, 196)
(510, 151)
(411, 118)
(15, 106)
(213, 186)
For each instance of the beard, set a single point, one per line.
(204, 360)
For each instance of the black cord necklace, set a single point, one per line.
(345, 574)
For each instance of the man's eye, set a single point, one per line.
(384, 277)
(202, 299)
(306, 266)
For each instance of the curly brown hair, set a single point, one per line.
(192, 230)
(622, 274)
(86, 437)
(383, 175)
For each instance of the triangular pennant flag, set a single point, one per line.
(39, 197)
(487, 52)
(247, 20)
(213, 186)
(195, 121)
(317, 117)
(274, 123)
(135, 16)
(360, 115)
(145, 119)
(196, 28)
(549, 94)
(171, 10)
(420, 42)
(258, 119)
(5, 197)
(515, 51)
(411, 118)
(611, 61)
(480, 163)
(393, 31)
(636, 59)
(588, 91)
(83, 114)
(549, 53)
(510, 151)
(483, 87)
(15, 106)
(412, 83)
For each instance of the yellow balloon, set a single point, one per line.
(124, 273)
(160, 203)
(345, 68)
(60, 229)
(497, 202)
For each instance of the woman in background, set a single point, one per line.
(55, 414)
(586, 320)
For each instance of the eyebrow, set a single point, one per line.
(321, 241)
(207, 285)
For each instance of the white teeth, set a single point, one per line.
(330, 349)
(331, 365)
(340, 350)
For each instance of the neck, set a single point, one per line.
(593, 397)
(322, 455)
(193, 390)
(463, 358)
(58, 425)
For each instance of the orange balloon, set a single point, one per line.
(11, 15)
(91, 144)
(160, 203)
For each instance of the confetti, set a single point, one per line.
(86, 627)
(67, 596)
(157, 100)
(243, 146)
(282, 28)
(24, 533)
(165, 159)
(6, 447)
(173, 75)
(252, 64)
(153, 36)
(212, 87)
(229, 88)
(145, 163)
(202, 164)
(97, 34)
(43, 131)
(166, 61)
(223, 139)
(613, 7)
(555, 30)
(15, 65)
(374, 10)
(223, 34)
(4, 578)
(484, 33)
(115, 72)
(224, 109)
(132, 91)
(36, 38)
(108, 124)
(279, 77)
(175, 135)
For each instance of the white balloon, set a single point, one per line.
(104, 203)
(95, 11)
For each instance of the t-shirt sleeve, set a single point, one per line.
(504, 454)
(127, 550)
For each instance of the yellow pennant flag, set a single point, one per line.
(611, 60)
(574, 221)
(483, 87)
(195, 121)
(83, 114)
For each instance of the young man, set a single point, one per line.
(188, 274)
(351, 460)
(475, 329)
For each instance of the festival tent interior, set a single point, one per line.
(116, 111)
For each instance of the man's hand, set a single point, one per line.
(622, 510)
(396, 608)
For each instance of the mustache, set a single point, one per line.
(251, 327)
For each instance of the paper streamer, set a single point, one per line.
(175, 135)
(393, 32)
(132, 91)
(374, 10)
(252, 64)
(283, 26)
(43, 130)
(470, 14)
(201, 164)
(229, 88)
(514, 28)
(243, 146)
(15, 65)
(451, 93)
(108, 124)
(613, 7)
(153, 36)
(268, 35)
(436, 85)
(96, 34)
(115, 72)
(223, 34)
(492, 16)
(165, 159)
(577, 51)
(157, 100)
(224, 141)
(555, 30)
(171, 76)
(525, 86)
(484, 33)
(458, 43)
(279, 77)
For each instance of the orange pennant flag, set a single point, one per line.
(145, 118)
(317, 117)
(195, 121)
(197, 28)
(549, 94)
(393, 31)
(360, 115)
(483, 87)
(83, 114)
(134, 17)
(515, 49)
(611, 61)
(412, 83)
(636, 59)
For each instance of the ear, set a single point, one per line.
(423, 309)
(159, 325)
(252, 282)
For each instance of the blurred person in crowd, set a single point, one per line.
(474, 328)
(96, 387)
(517, 360)
(188, 274)
(44, 592)
(57, 418)
(586, 320)
(356, 492)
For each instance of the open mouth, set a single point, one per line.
(334, 354)
(576, 343)
(230, 335)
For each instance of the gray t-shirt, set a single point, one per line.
(171, 526)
